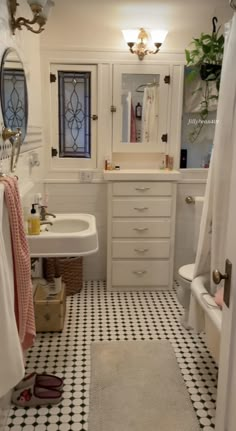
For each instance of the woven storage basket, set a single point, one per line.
(71, 270)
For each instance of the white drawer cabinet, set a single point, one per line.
(132, 228)
(141, 249)
(141, 207)
(141, 227)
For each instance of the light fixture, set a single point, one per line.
(40, 9)
(141, 42)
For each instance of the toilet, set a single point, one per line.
(185, 272)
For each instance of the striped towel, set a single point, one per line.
(24, 308)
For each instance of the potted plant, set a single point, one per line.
(205, 61)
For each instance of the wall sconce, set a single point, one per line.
(140, 42)
(40, 9)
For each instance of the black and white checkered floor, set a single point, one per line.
(97, 315)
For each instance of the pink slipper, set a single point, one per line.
(42, 380)
(34, 396)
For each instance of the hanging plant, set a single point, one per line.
(205, 61)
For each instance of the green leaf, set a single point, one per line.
(198, 89)
(192, 75)
(213, 97)
(187, 55)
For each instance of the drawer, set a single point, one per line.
(142, 188)
(159, 207)
(140, 273)
(141, 249)
(141, 228)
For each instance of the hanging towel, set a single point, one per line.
(150, 115)
(24, 308)
(132, 124)
(11, 357)
(213, 229)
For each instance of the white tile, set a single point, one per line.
(96, 314)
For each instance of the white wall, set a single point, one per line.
(97, 24)
(27, 45)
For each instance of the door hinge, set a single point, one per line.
(167, 79)
(164, 137)
(53, 77)
(113, 108)
(54, 152)
(94, 117)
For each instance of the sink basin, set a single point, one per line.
(70, 225)
(69, 235)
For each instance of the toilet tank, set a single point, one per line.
(198, 206)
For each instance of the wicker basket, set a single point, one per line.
(71, 270)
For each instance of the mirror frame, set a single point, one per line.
(3, 61)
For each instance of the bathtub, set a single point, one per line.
(209, 314)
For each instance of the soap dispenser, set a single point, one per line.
(33, 222)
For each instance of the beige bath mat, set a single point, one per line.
(137, 386)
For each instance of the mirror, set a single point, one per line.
(139, 101)
(197, 130)
(14, 100)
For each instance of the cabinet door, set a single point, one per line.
(140, 96)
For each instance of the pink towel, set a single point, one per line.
(24, 308)
(132, 125)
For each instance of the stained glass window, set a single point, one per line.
(15, 99)
(74, 114)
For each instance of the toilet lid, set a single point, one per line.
(186, 271)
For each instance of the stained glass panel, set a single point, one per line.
(74, 114)
(15, 99)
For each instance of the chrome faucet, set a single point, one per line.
(45, 222)
(44, 214)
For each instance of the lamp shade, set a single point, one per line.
(130, 35)
(46, 10)
(37, 2)
(158, 36)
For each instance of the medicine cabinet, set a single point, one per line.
(140, 108)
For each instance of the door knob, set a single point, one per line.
(217, 276)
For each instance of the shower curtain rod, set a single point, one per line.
(232, 4)
(148, 84)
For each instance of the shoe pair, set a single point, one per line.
(38, 389)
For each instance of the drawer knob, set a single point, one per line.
(141, 250)
(139, 273)
(142, 189)
(140, 229)
(140, 208)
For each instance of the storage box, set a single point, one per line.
(49, 309)
(71, 270)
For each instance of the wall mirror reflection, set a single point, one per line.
(141, 100)
(14, 101)
(197, 129)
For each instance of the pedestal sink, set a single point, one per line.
(69, 235)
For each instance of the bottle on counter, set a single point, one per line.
(33, 222)
(108, 164)
(138, 111)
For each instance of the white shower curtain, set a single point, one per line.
(150, 114)
(211, 245)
